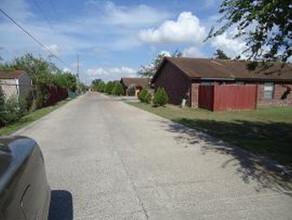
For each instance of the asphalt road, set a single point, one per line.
(108, 160)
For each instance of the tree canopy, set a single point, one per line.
(265, 25)
(42, 72)
(219, 54)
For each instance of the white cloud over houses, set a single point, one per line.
(192, 52)
(112, 73)
(232, 47)
(186, 29)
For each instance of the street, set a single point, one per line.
(106, 159)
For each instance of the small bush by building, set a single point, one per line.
(118, 90)
(160, 97)
(148, 98)
(142, 95)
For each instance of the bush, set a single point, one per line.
(109, 87)
(148, 98)
(11, 112)
(131, 91)
(101, 87)
(160, 97)
(142, 95)
(118, 90)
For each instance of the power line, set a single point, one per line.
(30, 35)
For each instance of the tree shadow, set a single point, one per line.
(259, 138)
(61, 207)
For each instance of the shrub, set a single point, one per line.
(118, 90)
(11, 112)
(142, 95)
(160, 97)
(109, 87)
(101, 87)
(131, 91)
(148, 98)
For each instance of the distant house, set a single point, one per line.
(136, 83)
(15, 83)
(223, 84)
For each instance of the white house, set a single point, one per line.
(15, 83)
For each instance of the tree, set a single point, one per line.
(66, 80)
(219, 54)
(109, 87)
(101, 86)
(148, 98)
(265, 25)
(118, 90)
(142, 95)
(150, 69)
(160, 97)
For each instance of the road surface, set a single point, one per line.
(108, 160)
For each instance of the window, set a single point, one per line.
(269, 90)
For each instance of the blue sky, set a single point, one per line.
(112, 38)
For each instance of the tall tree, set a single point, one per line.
(219, 54)
(264, 24)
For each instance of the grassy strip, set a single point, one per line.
(27, 119)
(266, 131)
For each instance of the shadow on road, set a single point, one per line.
(250, 167)
(61, 207)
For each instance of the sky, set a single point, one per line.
(112, 38)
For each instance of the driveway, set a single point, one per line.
(108, 160)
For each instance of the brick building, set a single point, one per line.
(136, 83)
(208, 80)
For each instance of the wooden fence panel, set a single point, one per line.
(206, 97)
(234, 97)
(55, 94)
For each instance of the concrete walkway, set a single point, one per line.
(108, 160)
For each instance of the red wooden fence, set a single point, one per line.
(55, 94)
(227, 97)
(206, 97)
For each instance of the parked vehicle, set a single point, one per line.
(24, 190)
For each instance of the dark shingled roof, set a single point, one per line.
(11, 74)
(135, 81)
(200, 68)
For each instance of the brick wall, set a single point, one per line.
(281, 97)
(174, 81)
(195, 95)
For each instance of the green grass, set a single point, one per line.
(266, 131)
(26, 120)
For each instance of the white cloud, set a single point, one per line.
(113, 73)
(166, 53)
(232, 47)
(140, 15)
(54, 48)
(186, 29)
(192, 52)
